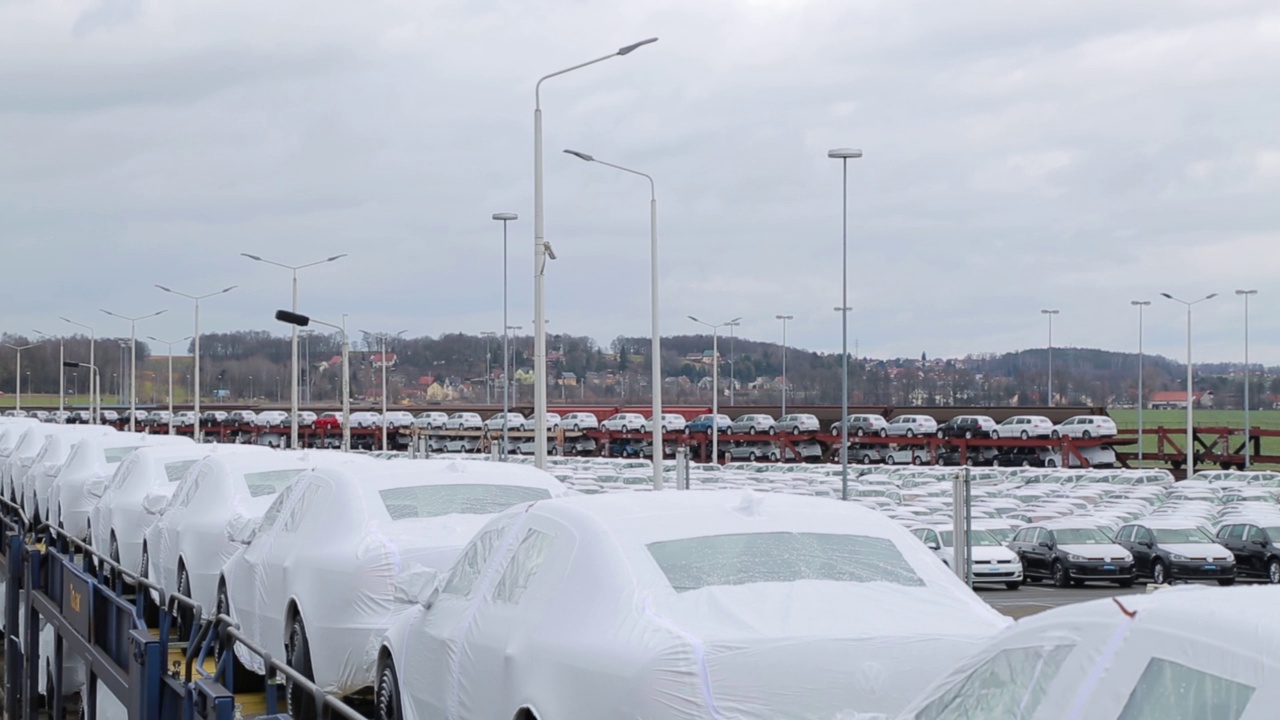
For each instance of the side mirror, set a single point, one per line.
(1146, 543)
(419, 585)
(933, 546)
(1046, 544)
(241, 529)
(153, 503)
(1260, 543)
(96, 487)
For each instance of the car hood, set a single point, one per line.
(990, 553)
(1197, 550)
(1109, 551)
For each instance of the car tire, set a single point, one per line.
(243, 680)
(387, 693)
(1226, 582)
(1273, 571)
(795, 430)
(143, 571)
(884, 432)
(773, 457)
(1055, 434)
(888, 459)
(1014, 585)
(1024, 435)
(968, 460)
(911, 433)
(773, 430)
(1051, 463)
(1086, 434)
(858, 432)
(941, 434)
(1159, 573)
(751, 457)
(184, 614)
(301, 704)
(917, 460)
(866, 459)
(1061, 577)
(995, 434)
(968, 434)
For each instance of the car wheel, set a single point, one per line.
(858, 432)
(911, 433)
(1055, 434)
(917, 460)
(773, 429)
(968, 434)
(1061, 578)
(1014, 585)
(1158, 573)
(773, 457)
(866, 459)
(664, 429)
(1086, 434)
(888, 460)
(298, 656)
(146, 560)
(1273, 571)
(942, 434)
(1224, 582)
(1024, 435)
(184, 613)
(243, 680)
(1051, 463)
(388, 693)
(968, 460)
(795, 430)
(751, 457)
(995, 434)
(577, 428)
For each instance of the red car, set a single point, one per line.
(329, 420)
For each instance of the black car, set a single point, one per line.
(1020, 457)
(966, 426)
(1071, 554)
(974, 458)
(1256, 548)
(1170, 550)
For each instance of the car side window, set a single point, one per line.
(296, 513)
(471, 564)
(1235, 532)
(1253, 533)
(1143, 535)
(528, 557)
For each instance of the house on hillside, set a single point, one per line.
(1177, 400)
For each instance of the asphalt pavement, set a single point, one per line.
(1032, 599)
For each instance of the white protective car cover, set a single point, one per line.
(192, 529)
(24, 452)
(94, 459)
(119, 513)
(600, 632)
(331, 547)
(49, 462)
(1184, 653)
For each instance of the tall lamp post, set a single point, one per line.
(542, 251)
(1248, 372)
(62, 371)
(504, 218)
(133, 362)
(1142, 398)
(17, 403)
(170, 344)
(1049, 314)
(382, 343)
(1191, 450)
(94, 381)
(733, 365)
(94, 411)
(488, 367)
(655, 348)
(844, 155)
(784, 319)
(195, 370)
(297, 320)
(715, 383)
(293, 384)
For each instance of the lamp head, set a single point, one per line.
(505, 216)
(1167, 295)
(335, 257)
(1210, 296)
(227, 290)
(628, 49)
(71, 364)
(252, 257)
(293, 318)
(844, 153)
(164, 288)
(580, 155)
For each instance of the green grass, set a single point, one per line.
(45, 402)
(1176, 422)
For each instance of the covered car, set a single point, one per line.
(34, 493)
(139, 488)
(718, 604)
(1184, 653)
(22, 456)
(314, 582)
(83, 477)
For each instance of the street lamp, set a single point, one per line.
(506, 384)
(1191, 457)
(715, 383)
(655, 348)
(383, 337)
(133, 362)
(94, 380)
(195, 424)
(504, 218)
(17, 403)
(93, 377)
(1142, 400)
(488, 367)
(297, 320)
(62, 372)
(1050, 314)
(293, 385)
(784, 319)
(542, 251)
(844, 155)
(170, 343)
(732, 361)
(1248, 373)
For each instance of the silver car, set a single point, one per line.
(754, 424)
(798, 423)
(753, 451)
(863, 424)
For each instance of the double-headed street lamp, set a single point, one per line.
(655, 348)
(1142, 400)
(62, 372)
(93, 376)
(1248, 373)
(293, 385)
(844, 155)
(195, 426)
(542, 251)
(133, 362)
(17, 403)
(1191, 450)
(297, 320)
(784, 319)
(1049, 314)
(170, 344)
(715, 383)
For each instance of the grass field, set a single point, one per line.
(1176, 420)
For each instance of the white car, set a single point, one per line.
(680, 605)
(271, 418)
(398, 419)
(1023, 427)
(754, 424)
(911, 426)
(993, 563)
(184, 418)
(431, 420)
(315, 581)
(553, 421)
(515, 421)
(30, 440)
(1085, 426)
(624, 422)
(307, 419)
(159, 418)
(139, 489)
(671, 422)
(918, 455)
(464, 421)
(187, 544)
(579, 421)
(84, 476)
(34, 493)
(797, 423)
(58, 416)
(110, 416)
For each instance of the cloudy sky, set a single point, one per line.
(1018, 156)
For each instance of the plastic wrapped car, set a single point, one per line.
(57, 447)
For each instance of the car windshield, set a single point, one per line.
(269, 482)
(1004, 535)
(694, 563)
(116, 454)
(175, 470)
(1181, 535)
(981, 538)
(1081, 536)
(427, 501)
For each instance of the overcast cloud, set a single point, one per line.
(1073, 155)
